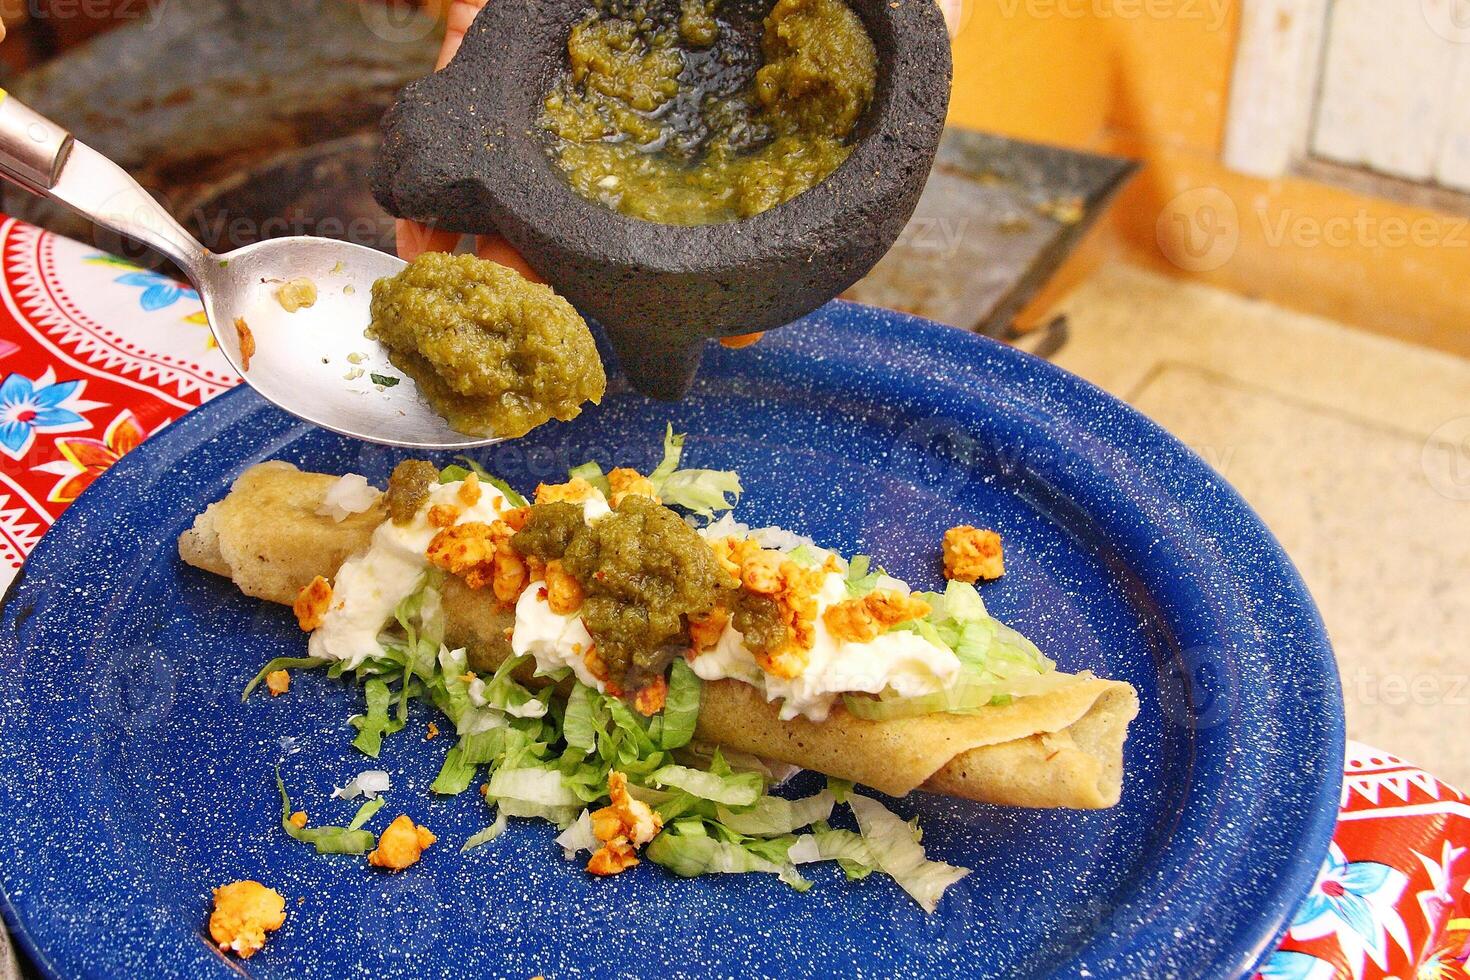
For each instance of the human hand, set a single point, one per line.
(413, 237)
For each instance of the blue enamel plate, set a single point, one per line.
(132, 778)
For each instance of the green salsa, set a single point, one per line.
(669, 115)
(408, 488)
(759, 620)
(643, 572)
(493, 352)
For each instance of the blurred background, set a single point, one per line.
(1249, 218)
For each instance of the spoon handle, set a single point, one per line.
(46, 160)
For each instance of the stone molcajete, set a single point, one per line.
(464, 149)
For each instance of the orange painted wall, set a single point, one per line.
(1150, 79)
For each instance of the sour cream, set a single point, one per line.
(370, 585)
(900, 661)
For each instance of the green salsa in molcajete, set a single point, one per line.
(644, 572)
(493, 352)
(671, 115)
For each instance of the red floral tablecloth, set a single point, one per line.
(97, 354)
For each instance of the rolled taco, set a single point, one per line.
(280, 531)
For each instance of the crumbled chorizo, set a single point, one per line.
(278, 682)
(891, 607)
(972, 554)
(466, 550)
(705, 631)
(312, 602)
(732, 553)
(623, 482)
(597, 667)
(517, 518)
(443, 515)
(469, 490)
(850, 621)
(761, 573)
(244, 911)
(481, 555)
(563, 592)
(401, 844)
(650, 700)
(863, 619)
(573, 491)
(792, 586)
(511, 575)
(623, 826)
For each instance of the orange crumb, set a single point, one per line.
(623, 826)
(469, 490)
(247, 342)
(650, 700)
(443, 515)
(278, 682)
(312, 602)
(971, 554)
(244, 911)
(400, 845)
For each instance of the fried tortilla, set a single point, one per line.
(1063, 748)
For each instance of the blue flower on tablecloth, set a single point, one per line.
(159, 291)
(43, 405)
(1287, 964)
(1355, 902)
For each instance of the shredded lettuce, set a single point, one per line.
(370, 783)
(894, 844)
(772, 815)
(681, 706)
(351, 839)
(547, 752)
(700, 491)
(578, 837)
(687, 850)
(997, 662)
(375, 722)
(485, 836)
(966, 696)
(282, 663)
(592, 473)
(450, 474)
(736, 789)
(849, 850)
(859, 580)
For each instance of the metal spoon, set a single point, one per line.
(315, 363)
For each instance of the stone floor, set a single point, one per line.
(1356, 452)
